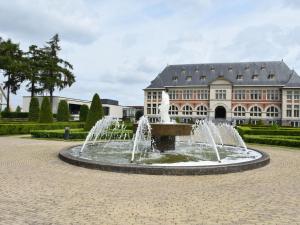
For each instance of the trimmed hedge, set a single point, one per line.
(34, 110)
(26, 128)
(46, 115)
(279, 131)
(95, 113)
(84, 110)
(63, 113)
(262, 139)
(14, 114)
(59, 134)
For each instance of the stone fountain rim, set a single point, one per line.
(65, 155)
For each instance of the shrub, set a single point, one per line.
(12, 115)
(262, 139)
(138, 114)
(84, 110)
(46, 112)
(26, 128)
(63, 113)
(34, 110)
(269, 131)
(18, 109)
(95, 113)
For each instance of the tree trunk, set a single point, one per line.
(7, 98)
(32, 88)
(51, 99)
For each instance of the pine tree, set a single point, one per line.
(84, 110)
(95, 113)
(34, 110)
(63, 113)
(46, 113)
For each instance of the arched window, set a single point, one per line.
(272, 111)
(201, 110)
(239, 111)
(173, 110)
(187, 110)
(255, 111)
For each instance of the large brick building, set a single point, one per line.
(241, 92)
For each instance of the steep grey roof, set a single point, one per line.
(294, 81)
(229, 71)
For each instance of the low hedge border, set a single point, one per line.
(263, 139)
(269, 131)
(26, 128)
(74, 134)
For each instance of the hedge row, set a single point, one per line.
(279, 131)
(26, 128)
(261, 139)
(74, 134)
(14, 114)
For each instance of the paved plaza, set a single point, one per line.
(38, 188)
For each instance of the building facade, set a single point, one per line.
(2, 98)
(110, 107)
(246, 92)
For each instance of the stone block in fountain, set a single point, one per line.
(164, 135)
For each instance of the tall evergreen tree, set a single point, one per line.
(13, 67)
(35, 61)
(63, 113)
(95, 113)
(46, 115)
(84, 110)
(57, 73)
(34, 110)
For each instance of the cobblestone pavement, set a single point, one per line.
(37, 188)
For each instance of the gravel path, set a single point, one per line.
(37, 188)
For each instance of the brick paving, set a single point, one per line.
(37, 188)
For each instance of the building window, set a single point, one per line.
(149, 95)
(173, 110)
(255, 111)
(240, 122)
(201, 110)
(296, 95)
(187, 110)
(255, 77)
(187, 94)
(239, 111)
(239, 77)
(159, 95)
(271, 76)
(175, 78)
(239, 94)
(188, 78)
(296, 110)
(272, 111)
(154, 95)
(154, 109)
(295, 124)
(220, 94)
(172, 94)
(178, 94)
(202, 94)
(148, 108)
(255, 94)
(289, 110)
(289, 95)
(203, 77)
(272, 94)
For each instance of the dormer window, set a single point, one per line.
(203, 77)
(255, 77)
(263, 66)
(230, 68)
(183, 72)
(188, 78)
(212, 68)
(196, 71)
(175, 78)
(247, 67)
(239, 77)
(271, 76)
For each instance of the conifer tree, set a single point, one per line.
(95, 113)
(46, 115)
(34, 110)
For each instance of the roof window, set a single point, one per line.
(202, 77)
(255, 77)
(271, 76)
(239, 77)
(175, 78)
(188, 78)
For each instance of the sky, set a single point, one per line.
(118, 46)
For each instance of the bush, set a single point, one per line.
(138, 114)
(59, 134)
(26, 128)
(95, 113)
(46, 112)
(269, 131)
(276, 140)
(18, 109)
(34, 110)
(11, 115)
(84, 110)
(63, 113)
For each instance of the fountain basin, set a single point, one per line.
(188, 168)
(164, 135)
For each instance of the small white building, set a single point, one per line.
(2, 98)
(110, 107)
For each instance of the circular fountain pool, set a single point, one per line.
(186, 159)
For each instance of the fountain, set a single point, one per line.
(165, 148)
